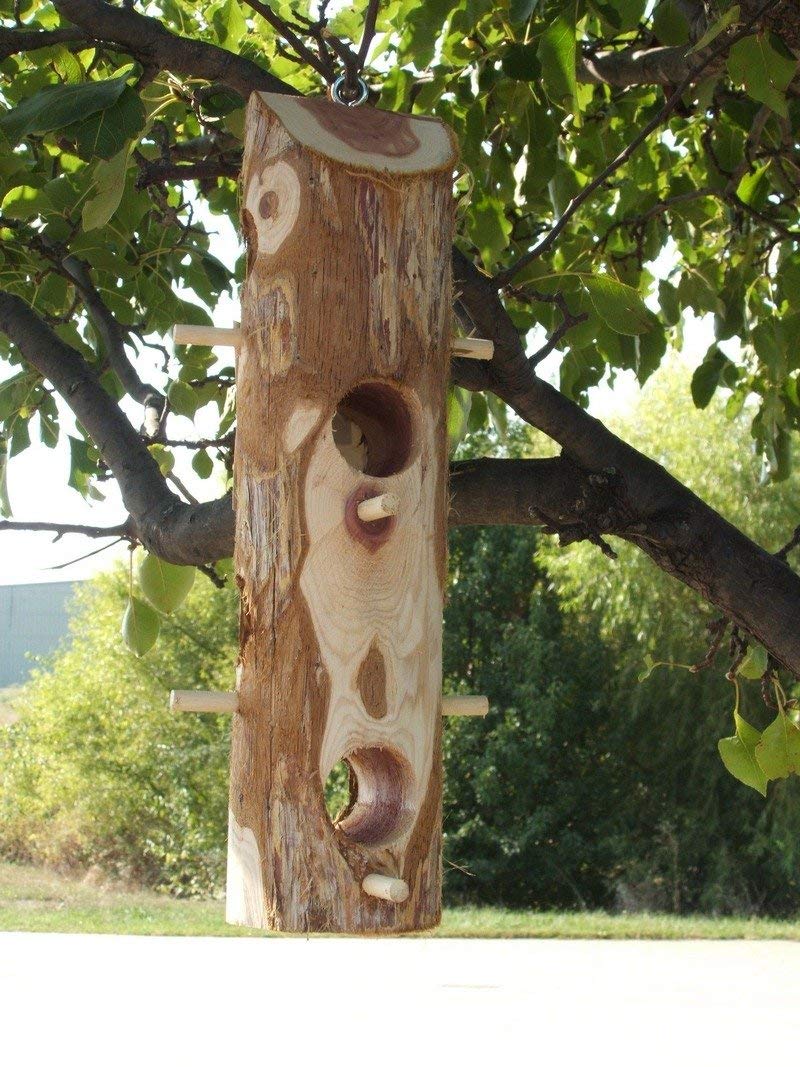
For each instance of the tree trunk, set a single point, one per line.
(341, 382)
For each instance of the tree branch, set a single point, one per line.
(636, 66)
(171, 529)
(14, 41)
(148, 41)
(122, 530)
(303, 53)
(113, 338)
(163, 170)
(651, 509)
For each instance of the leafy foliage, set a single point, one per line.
(709, 200)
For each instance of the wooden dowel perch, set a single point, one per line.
(465, 705)
(378, 507)
(386, 888)
(231, 337)
(223, 337)
(472, 348)
(201, 701)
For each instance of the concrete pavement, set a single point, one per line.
(170, 1002)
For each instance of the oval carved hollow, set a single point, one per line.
(372, 683)
(374, 429)
(379, 810)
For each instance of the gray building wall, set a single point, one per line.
(33, 620)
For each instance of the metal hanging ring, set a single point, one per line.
(339, 98)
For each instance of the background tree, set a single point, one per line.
(612, 151)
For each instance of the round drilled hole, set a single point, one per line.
(373, 428)
(337, 791)
(375, 807)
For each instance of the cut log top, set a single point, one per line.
(365, 137)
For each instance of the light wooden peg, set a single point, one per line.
(378, 507)
(231, 337)
(386, 888)
(222, 337)
(472, 348)
(465, 705)
(199, 700)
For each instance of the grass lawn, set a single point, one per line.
(41, 901)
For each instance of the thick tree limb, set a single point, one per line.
(648, 507)
(14, 41)
(152, 172)
(159, 519)
(147, 40)
(636, 66)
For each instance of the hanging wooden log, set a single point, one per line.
(341, 378)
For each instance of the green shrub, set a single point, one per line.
(97, 771)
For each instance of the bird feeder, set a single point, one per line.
(340, 496)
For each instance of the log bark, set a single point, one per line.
(341, 379)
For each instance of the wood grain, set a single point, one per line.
(341, 377)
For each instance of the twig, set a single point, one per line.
(370, 18)
(790, 545)
(87, 555)
(304, 53)
(120, 531)
(716, 628)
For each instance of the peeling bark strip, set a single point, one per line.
(341, 381)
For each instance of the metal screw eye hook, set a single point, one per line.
(358, 99)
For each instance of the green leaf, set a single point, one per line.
(459, 402)
(105, 132)
(778, 751)
(670, 306)
(557, 54)
(521, 63)
(520, 11)
(754, 663)
(229, 23)
(165, 585)
(5, 503)
(202, 464)
(163, 457)
(499, 414)
(716, 28)
(489, 228)
(754, 186)
(738, 755)
(618, 305)
(764, 71)
(109, 184)
(707, 376)
(140, 626)
(182, 399)
(56, 106)
(649, 666)
(669, 23)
